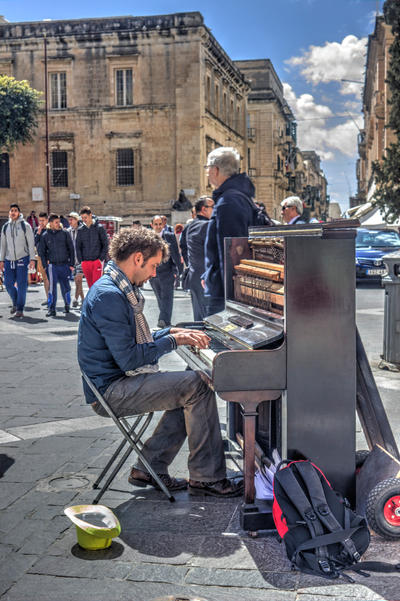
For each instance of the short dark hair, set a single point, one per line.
(53, 217)
(85, 211)
(15, 206)
(131, 240)
(200, 203)
(43, 214)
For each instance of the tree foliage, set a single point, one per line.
(19, 109)
(387, 171)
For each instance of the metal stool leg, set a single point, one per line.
(116, 454)
(125, 429)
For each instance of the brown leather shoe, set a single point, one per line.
(139, 478)
(222, 488)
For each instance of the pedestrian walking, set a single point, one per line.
(74, 223)
(17, 252)
(163, 283)
(192, 248)
(33, 220)
(91, 246)
(38, 232)
(57, 253)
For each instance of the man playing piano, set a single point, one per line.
(120, 355)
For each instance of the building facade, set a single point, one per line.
(375, 136)
(271, 134)
(134, 105)
(276, 165)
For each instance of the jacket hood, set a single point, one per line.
(20, 218)
(239, 181)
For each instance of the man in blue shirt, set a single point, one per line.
(120, 355)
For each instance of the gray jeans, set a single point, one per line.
(190, 410)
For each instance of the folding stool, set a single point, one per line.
(132, 434)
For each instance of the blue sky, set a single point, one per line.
(313, 45)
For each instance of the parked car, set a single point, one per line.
(371, 246)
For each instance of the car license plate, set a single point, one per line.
(376, 271)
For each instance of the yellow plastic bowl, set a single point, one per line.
(96, 525)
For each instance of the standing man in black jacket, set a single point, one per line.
(91, 246)
(56, 252)
(163, 283)
(192, 247)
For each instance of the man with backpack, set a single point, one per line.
(234, 212)
(57, 254)
(17, 253)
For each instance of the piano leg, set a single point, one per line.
(255, 514)
(249, 430)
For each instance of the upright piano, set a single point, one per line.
(283, 352)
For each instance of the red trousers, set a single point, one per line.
(92, 270)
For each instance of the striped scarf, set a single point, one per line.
(136, 300)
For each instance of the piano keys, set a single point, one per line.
(283, 350)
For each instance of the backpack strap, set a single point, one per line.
(318, 500)
(299, 499)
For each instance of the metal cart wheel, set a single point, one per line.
(383, 508)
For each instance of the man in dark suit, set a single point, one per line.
(163, 283)
(192, 247)
(292, 210)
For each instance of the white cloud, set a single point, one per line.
(333, 62)
(314, 132)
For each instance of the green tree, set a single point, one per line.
(387, 171)
(19, 109)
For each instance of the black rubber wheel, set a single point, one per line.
(383, 508)
(361, 457)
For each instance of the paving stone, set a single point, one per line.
(345, 592)
(233, 578)
(174, 517)
(10, 491)
(158, 573)
(12, 567)
(33, 587)
(223, 552)
(76, 567)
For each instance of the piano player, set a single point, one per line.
(119, 354)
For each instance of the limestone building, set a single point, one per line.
(375, 136)
(276, 165)
(271, 134)
(134, 106)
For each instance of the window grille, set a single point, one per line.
(59, 169)
(4, 170)
(124, 87)
(58, 90)
(125, 167)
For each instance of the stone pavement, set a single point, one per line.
(51, 449)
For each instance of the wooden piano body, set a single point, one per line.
(299, 392)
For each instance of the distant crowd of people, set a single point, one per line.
(56, 251)
(61, 249)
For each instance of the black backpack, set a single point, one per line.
(260, 217)
(322, 535)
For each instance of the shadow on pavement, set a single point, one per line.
(114, 551)
(5, 463)
(31, 320)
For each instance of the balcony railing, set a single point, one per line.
(252, 172)
(251, 133)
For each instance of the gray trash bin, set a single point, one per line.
(391, 333)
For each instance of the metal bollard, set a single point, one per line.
(391, 333)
